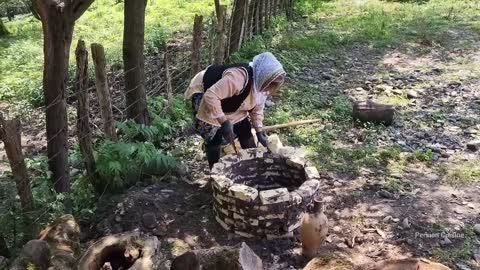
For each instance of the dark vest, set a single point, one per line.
(215, 72)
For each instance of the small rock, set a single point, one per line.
(359, 89)
(386, 194)
(387, 218)
(397, 91)
(412, 94)
(473, 145)
(337, 229)
(463, 266)
(445, 241)
(476, 255)
(471, 206)
(406, 223)
(337, 184)
(396, 220)
(326, 76)
(118, 218)
(396, 175)
(476, 228)
(149, 220)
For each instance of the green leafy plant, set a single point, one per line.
(121, 164)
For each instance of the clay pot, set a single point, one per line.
(314, 230)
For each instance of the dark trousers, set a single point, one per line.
(242, 130)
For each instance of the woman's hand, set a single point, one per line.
(262, 138)
(227, 131)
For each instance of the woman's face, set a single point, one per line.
(274, 86)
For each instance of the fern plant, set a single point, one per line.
(121, 164)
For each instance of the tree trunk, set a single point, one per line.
(261, 16)
(104, 99)
(238, 18)
(58, 20)
(133, 60)
(196, 44)
(3, 29)
(10, 135)
(268, 14)
(220, 51)
(57, 32)
(256, 23)
(83, 120)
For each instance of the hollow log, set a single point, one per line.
(132, 250)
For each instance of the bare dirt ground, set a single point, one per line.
(410, 207)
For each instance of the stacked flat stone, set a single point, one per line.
(262, 194)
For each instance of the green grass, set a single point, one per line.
(22, 52)
(461, 172)
(380, 23)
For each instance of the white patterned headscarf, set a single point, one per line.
(266, 69)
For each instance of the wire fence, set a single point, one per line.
(237, 29)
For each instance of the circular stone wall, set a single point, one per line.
(263, 194)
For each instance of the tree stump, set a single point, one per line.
(134, 251)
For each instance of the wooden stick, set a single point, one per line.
(291, 124)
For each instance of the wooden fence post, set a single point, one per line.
(168, 79)
(196, 44)
(98, 56)
(83, 120)
(10, 134)
(220, 50)
(237, 25)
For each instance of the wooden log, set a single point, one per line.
(83, 119)
(10, 134)
(196, 45)
(98, 56)
(220, 31)
(63, 238)
(131, 250)
(291, 124)
(370, 111)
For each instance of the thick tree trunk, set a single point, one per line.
(57, 32)
(238, 18)
(196, 44)
(133, 60)
(58, 20)
(3, 29)
(10, 135)
(103, 93)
